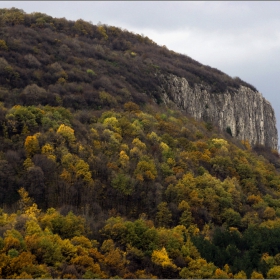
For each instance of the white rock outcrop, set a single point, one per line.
(246, 113)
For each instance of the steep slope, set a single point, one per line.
(243, 113)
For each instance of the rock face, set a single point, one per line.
(244, 113)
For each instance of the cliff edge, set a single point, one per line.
(244, 113)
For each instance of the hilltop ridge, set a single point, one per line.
(56, 55)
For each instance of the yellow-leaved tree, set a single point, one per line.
(123, 159)
(75, 168)
(31, 145)
(145, 169)
(67, 132)
(48, 150)
(26, 204)
(161, 258)
(198, 268)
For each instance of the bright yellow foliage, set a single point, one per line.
(153, 137)
(256, 275)
(220, 274)
(82, 171)
(274, 272)
(240, 275)
(67, 132)
(161, 258)
(48, 150)
(139, 144)
(164, 147)
(28, 163)
(25, 201)
(31, 145)
(124, 159)
(198, 268)
(112, 123)
(219, 142)
(145, 170)
(101, 29)
(33, 211)
(75, 168)
(32, 227)
(11, 242)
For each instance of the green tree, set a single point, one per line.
(83, 27)
(186, 217)
(164, 215)
(232, 218)
(198, 268)
(13, 16)
(122, 183)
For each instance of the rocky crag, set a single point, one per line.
(242, 112)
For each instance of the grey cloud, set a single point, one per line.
(161, 15)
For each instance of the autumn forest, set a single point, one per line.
(100, 179)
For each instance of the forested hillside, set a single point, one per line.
(99, 179)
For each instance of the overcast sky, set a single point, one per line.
(240, 38)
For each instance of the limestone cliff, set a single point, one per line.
(244, 112)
